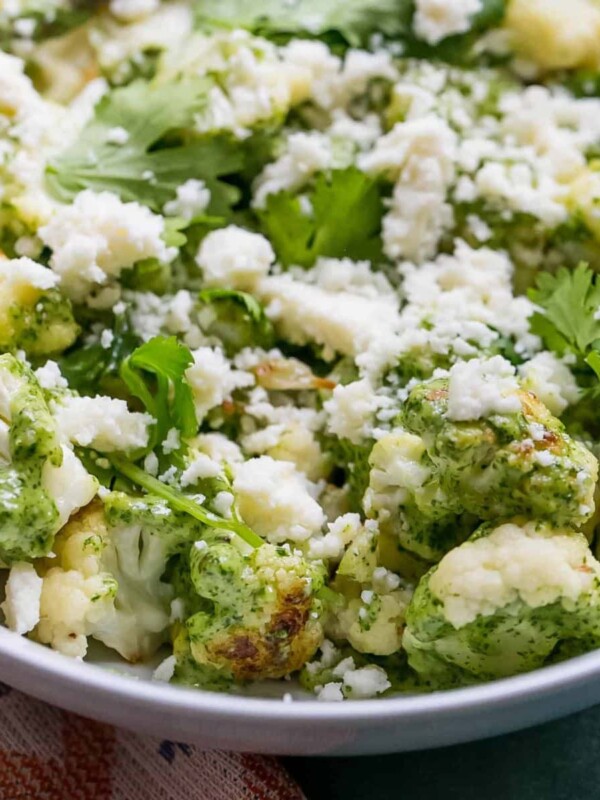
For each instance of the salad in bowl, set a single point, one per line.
(300, 337)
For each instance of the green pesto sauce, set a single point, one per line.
(28, 514)
(44, 328)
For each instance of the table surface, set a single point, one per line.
(556, 761)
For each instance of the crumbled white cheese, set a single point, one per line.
(536, 565)
(351, 410)
(130, 10)
(551, 380)
(276, 500)
(305, 154)
(23, 591)
(219, 448)
(419, 154)
(99, 236)
(192, 199)
(384, 580)
(213, 380)
(18, 273)
(165, 670)
(201, 467)
(172, 441)
(117, 135)
(223, 503)
(341, 532)
(234, 258)
(104, 423)
(50, 377)
(330, 692)
(481, 387)
(366, 682)
(458, 305)
(435, 20)
(325, 305)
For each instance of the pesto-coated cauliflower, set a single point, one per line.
(34, 315)
(258, 614)
(371, 618)
(504, 602)
(41, 481)
(105, 581)
(433, 477)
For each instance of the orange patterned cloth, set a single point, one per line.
(48, 754)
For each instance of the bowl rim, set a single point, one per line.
(35, 657)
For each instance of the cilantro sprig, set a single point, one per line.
(569, 318)
(155, 374)
(347, 208)
(183, 502)
(154, 159)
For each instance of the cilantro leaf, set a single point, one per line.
(570, 302)
(239, 320)
(353, 20)
(347, 208)
(147, 167)
(155, 373)
(92, 368)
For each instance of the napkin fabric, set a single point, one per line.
(48, 754)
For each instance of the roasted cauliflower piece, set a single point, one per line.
(504, 602)
(259, 613)
(34, 315)
(41, 481)
(373, 599)
(105, 581)
(433, 477)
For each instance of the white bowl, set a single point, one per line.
(304, 727)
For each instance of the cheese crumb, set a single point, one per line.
(192, 199)
(234, 258)
(23, 592)
(276, 500)
(213, 380)
(481, 387)
(104, 423)
(435, 20)
(551, 381)
(99, 236)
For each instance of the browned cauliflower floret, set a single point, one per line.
(256, 616)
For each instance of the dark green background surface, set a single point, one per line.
(556, 761)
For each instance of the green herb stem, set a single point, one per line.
(181, 502)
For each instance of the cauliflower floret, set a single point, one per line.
(567, 32)
(263, 616)
(41, 482)
(504, 602)
(433, 477)
(76, 594)
(551, 381)
(372, 619)
(34, 316)
(105, 581)
(70, 485)
(275, 499)
(23, 591)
